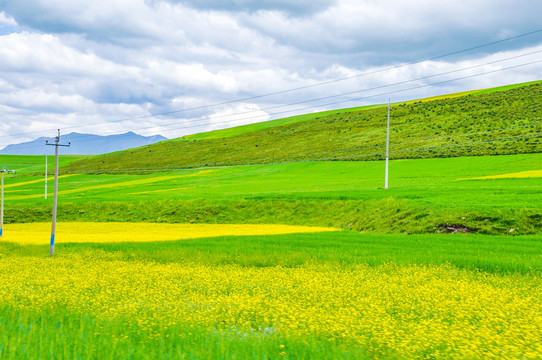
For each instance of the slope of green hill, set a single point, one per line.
(239, 130)
(488, 122)
(243, 129)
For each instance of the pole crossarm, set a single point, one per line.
(57, 144)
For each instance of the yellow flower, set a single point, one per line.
(92, 232)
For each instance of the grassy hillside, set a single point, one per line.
(239, 130)
(243, 129)
(490, 122)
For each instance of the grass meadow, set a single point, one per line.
(425, 195)
(452, 182)
(26, 164)
(385, 284)
(331, 295)
(239, 130)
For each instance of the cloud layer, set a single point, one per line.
(107, 66)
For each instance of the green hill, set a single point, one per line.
(243, 129)
(506, 120)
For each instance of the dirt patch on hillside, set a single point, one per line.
(454, 228)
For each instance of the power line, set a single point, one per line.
(349, 93)
(302, 87)
(349, 100)
(338, 95)
(392, 92)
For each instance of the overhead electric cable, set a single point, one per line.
(302, 87)
(356, 99)
(349, 93)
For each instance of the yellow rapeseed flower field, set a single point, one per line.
(389, 311)
(93, 232)
(413, 311)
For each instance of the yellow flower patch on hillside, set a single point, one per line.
(50, 178)
(125, 184)
(92, 232)
(516, 175)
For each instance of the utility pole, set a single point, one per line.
(55, 197)
(45, 172)
(3, 170)
(387, 146)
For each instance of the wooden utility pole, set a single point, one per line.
(55, 196)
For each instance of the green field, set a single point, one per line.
(424, 196)
(445, 264)
(25, 164)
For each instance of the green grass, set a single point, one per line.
(33, 163)
(380, 216)
(425, 195)
(61, 334)
(444, 182)
(489, 122)
(492, 254)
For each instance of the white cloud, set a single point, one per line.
(387, 31)
(6, 20)
(238, 114)
(45, 54)
(98, 62)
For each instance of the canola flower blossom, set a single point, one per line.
(113, 232)
(516, 175)
(411, 311)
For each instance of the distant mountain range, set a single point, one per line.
(83, 144)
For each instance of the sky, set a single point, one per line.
(176, 67)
